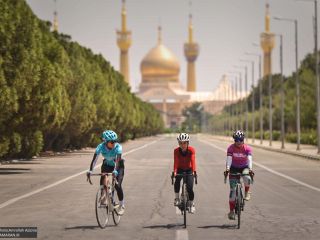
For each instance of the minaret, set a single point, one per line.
(55, 17)
(159, 35)
(124, 42)
(267, 44)
(191, 51)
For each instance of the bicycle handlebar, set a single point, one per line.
(184, 174)
(236, 175)
(99, 174)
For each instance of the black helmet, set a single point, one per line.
(238, 136)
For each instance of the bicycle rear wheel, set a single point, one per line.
(116, 217)
(102, 210)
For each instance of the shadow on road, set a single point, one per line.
(23, 163)
(7, 171)
(10, 173)
(224, 226)
(165, 226)
(82, 227)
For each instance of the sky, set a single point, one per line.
(224, 30)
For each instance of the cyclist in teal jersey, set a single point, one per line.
(111, 150)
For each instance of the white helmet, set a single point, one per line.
(183, 137)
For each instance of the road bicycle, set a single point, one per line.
(239, 200)
(184, 204)
(106, 203)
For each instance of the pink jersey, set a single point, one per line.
(239, 155)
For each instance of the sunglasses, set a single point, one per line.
(238, 140)
(112, 142)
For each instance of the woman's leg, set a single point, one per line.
(190, 180)
(118, 186)
(232, 195)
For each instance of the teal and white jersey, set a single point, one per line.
(109, 155)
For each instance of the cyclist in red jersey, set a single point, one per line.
(184, 161)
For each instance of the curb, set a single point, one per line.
(284, 151)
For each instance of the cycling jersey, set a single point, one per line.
(109, 155)
(184, 161)
(240, 155)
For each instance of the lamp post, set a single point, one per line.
(246, 90)
(226, 106)
(260, 95)
(317, 66)
(240, 96)
(236, 97)
(200, 109)
(252, 102)
(260, 98)
(297, 76)
(189, 120)
(281, 91)
(232, 101)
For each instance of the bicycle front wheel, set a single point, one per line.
(238, 205)
(102, 209)
(184, 194)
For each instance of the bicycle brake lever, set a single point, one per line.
(225, 179)
(89, 180)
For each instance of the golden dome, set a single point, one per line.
(160, 64)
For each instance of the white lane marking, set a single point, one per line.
(288, 177)
(13, 200)
(182, 234)
(271, 170)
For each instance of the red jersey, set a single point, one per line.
(184, 161)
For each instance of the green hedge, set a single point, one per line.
(56, 94)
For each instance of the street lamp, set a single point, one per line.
(317, 65)
(232, 101)
(260, 97)
(188, 113)
(297, 76)
(282, 90)
(246, 90)
(252, 102)
(200, 109)
(235, 97)
(240, 96)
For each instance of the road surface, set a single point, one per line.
(51, 193)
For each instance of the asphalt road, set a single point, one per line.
(52, 194)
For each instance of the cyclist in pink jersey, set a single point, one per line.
(239, 159)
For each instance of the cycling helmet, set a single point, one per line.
(238, 136)
(183, 137)
(109, 135)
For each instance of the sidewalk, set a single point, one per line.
(307, 151)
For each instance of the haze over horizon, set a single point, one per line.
(224, 29)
